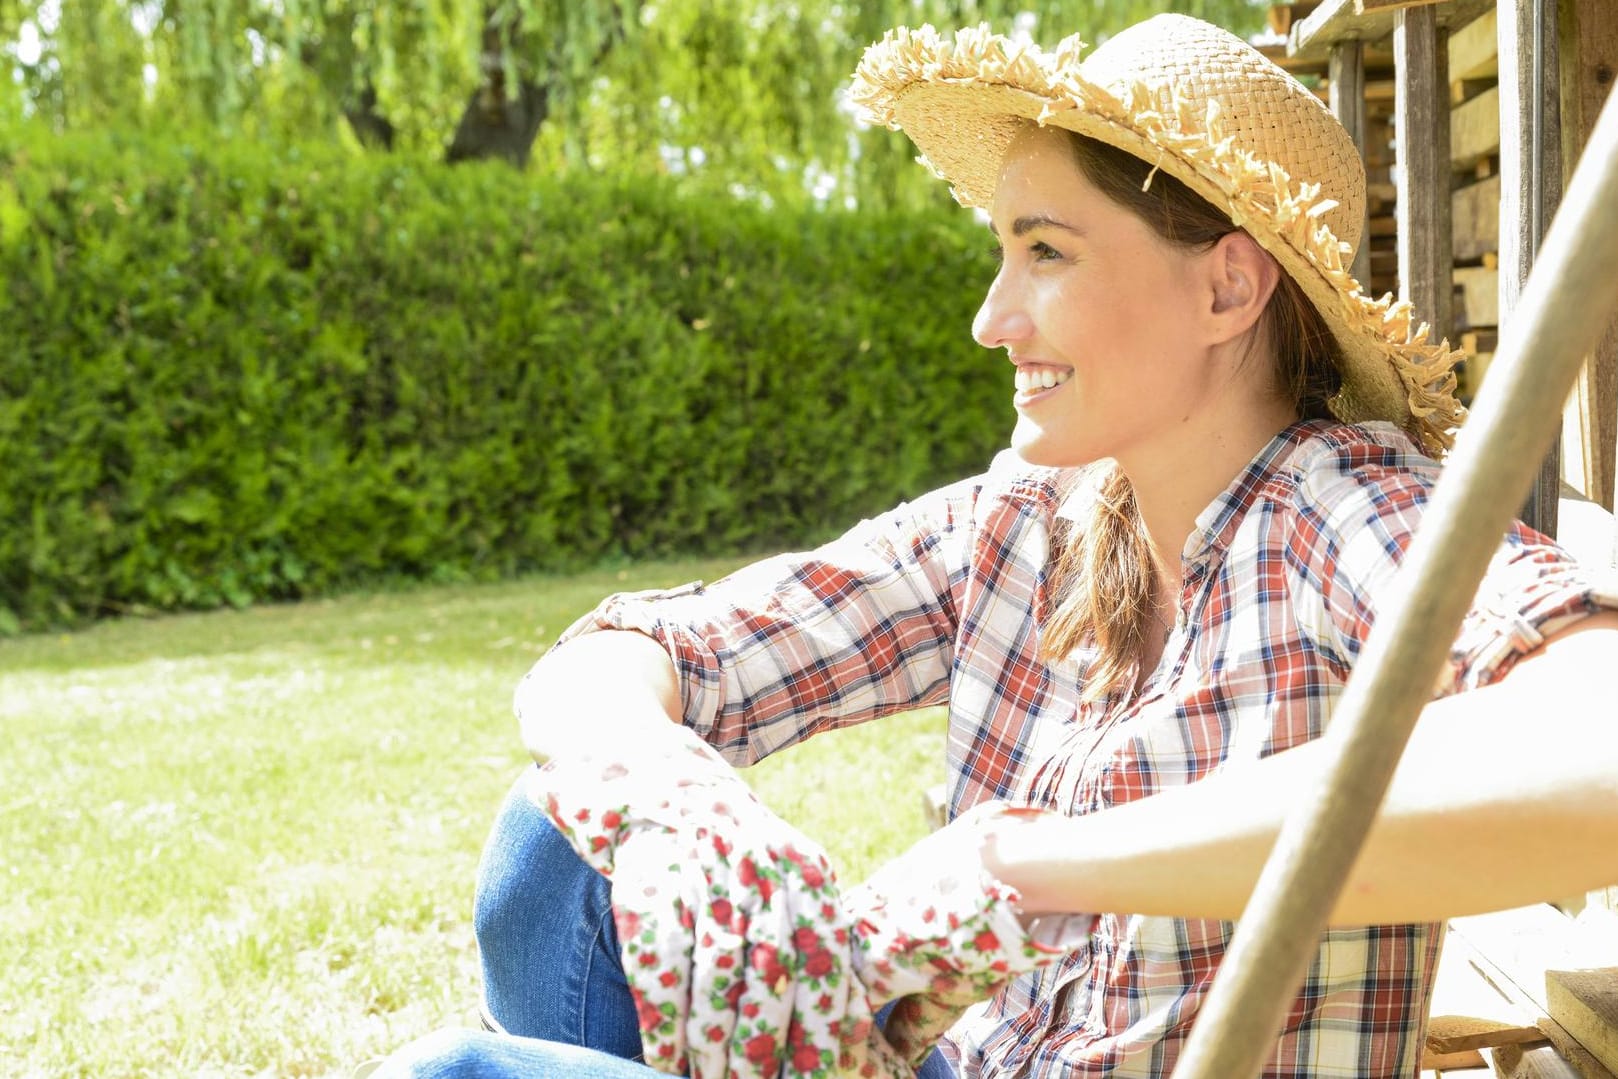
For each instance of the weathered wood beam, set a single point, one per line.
(1345, 88)
(1530, 1062)
(1585, 1004)
(1421, 116)
(1473, 51)
(1479, 287)
(1530, 180)
(1590, 65)
(1475, 220)
(1337, 20)
(1361, 7)
(1475, 129)
(1521, 953)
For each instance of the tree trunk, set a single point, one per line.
(493, 126)
(370, 127)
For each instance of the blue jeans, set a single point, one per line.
(552, 979)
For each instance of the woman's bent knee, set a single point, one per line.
(443, 1054)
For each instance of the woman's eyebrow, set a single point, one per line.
(1022, 226)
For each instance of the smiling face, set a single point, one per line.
(1096, 311)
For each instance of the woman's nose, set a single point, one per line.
(1001, 320)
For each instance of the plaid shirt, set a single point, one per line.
(940, 601)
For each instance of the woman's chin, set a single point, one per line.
(1039, 447)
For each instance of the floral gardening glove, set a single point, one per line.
(936, 931)
(733, 936)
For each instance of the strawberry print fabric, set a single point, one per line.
(743, 957)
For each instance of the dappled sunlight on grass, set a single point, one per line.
(243, 843)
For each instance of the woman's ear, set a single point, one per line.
(1242, 276)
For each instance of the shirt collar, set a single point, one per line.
(1216, 525)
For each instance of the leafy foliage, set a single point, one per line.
(740, 91)
(237, 375)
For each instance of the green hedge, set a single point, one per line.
(235, 374)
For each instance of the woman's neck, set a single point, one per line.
(1175, 479)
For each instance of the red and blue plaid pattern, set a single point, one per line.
(940, 601)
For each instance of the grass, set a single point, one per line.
(243, 843)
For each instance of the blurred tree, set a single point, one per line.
(742, 93)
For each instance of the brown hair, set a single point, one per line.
(1103, 579)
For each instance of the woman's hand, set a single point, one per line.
(732, 933)
(937, 931)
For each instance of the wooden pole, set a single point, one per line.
(1560, 315)
(1345, 74)
(1421, 111)
(1530, 183)
(1589, 38)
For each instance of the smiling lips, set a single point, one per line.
(1032, 380)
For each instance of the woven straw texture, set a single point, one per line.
(1205, 107)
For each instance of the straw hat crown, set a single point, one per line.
(1180, 64)
(1205, 107)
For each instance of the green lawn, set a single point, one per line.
(243, 843)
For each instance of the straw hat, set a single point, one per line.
(1210, 110)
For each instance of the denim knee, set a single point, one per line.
(443, 1054)
(543, 920)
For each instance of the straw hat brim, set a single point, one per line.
(963, 106)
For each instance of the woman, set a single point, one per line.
(1221, 450)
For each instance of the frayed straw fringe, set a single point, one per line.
(1261, 194)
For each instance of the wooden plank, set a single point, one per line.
(1570, 1050)
(1475, 220)
(1445, 1062)
(1463, 90)
(1423, 115)
(1516, 947)
(1454, 1034)
(1480, 290)
(1590, 41)
(1337, 20)
(1473, 370)
(1363, 6)
(1530, 1062)
(1591, 429)
(1474, 129)
(1345, 70)
(1473, 52)
(1512, 951)
(1378, 60)
(1467, 1011)
(1379, 93)
(1585, 1004)
(1530, 181)
(1517, 950)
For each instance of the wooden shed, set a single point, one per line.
(1470, 114)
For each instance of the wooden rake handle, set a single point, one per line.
(1566, 303)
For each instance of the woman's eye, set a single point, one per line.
(1038, 251)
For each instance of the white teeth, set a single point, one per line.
(1043, 378)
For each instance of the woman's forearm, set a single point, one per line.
(611, 685)
(1505, 795)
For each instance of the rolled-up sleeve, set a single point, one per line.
(861, 627)
(1361, 510)
(1532, 590)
